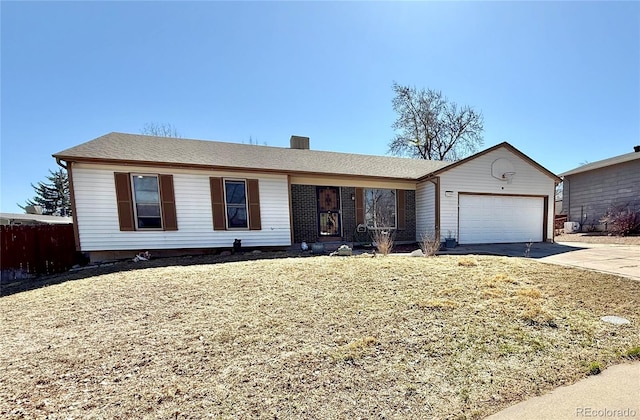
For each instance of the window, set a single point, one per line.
(145, 201)
(380, 208)
(235, 194)
(235, 203)
(146, 198)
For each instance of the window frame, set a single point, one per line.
(246, 202)
(134, 201)
(395, 209)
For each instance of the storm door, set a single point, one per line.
(329, 211)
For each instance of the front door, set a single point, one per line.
(329, 211)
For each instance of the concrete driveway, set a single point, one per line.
(621, 260)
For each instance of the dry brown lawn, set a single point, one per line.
(394, 337)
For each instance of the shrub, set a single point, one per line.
(622, 219)
(429, 244)
(383, 240)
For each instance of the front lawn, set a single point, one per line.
(323, 337)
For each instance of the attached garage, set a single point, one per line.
(499, 195)
(500, 219)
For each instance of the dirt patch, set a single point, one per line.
(598, 238)
(310, 337)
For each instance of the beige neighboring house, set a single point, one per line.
(134, 192)
(589, 190)
(33, 219)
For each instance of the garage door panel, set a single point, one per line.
(500, 219)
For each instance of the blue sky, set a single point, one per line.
(559, 81)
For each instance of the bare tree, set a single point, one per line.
(160, 130)
(429, 126)
(559, 191)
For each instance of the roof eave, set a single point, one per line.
(220, 168)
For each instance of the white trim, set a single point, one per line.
(246, 202)
(135, 206)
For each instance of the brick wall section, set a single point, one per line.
(305, 217)
(590, 194)
(304, 211)
(408, 234)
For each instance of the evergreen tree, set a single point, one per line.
(54, 196)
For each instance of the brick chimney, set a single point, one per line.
(299, 142)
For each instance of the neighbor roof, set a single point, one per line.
(42, 218)
(627, 157)
(137, 148)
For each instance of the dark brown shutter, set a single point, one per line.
(401, 213)
(168, 202)
(217, 204)
(253, 202)
(359, 206)
(124, 200)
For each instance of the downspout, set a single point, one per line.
(72, 197)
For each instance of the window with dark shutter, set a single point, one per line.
(145, 202)
(124, 201)
(217, 204)
(254, 204)
(235, 203)
(168, 201)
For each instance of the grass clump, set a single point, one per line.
(437, 304)
(504, 278)
(595, 368)
(530, 293)
(356, 349)
(633, 353)
(537, 315)
(467, 262)
(492, 293)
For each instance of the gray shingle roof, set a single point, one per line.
(115, 147)
(603, 163)
(42, 218)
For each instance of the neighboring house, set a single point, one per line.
(33, 219)
(134, 192)
(589, 190)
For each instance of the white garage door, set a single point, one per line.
(500, 219)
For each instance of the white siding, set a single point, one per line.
(425, 209)
(475, 177)
(97, 214)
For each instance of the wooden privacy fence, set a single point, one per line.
(29, 250)
(559, 221)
